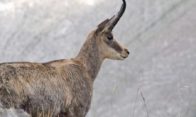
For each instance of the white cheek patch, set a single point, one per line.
(113, 54)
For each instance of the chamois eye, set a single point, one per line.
(110, 37)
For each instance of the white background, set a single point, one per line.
(157, 80)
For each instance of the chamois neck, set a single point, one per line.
(90, 57)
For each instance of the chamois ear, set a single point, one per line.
(102, 26)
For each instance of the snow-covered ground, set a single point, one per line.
(157, 80)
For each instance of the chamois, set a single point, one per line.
(61, 88)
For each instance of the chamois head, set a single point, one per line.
(109, 47)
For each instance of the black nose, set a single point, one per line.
(127, 51)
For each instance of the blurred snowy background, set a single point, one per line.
(157, 80)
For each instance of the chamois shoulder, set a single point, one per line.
(63, 62)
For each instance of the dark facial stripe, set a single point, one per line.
(115, 46)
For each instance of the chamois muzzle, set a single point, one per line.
(114, 20)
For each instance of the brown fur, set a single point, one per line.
(61, 87)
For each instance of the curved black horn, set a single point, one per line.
(114, 20)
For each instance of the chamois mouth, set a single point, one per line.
(125, 53)
(124, 57)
